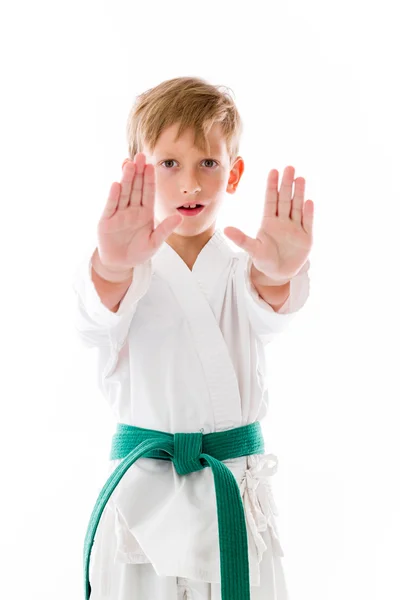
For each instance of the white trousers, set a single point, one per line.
(141, 582)
(113, 580)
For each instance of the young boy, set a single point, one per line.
(181, 322)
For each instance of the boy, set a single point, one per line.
(180, 322)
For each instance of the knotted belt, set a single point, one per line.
(192, 452)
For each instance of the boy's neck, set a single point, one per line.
(189, 247)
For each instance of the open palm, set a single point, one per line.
(284, 240)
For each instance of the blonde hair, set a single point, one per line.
(193, 103)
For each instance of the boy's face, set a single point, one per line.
(185, 175)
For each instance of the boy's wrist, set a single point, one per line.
(110, 275)
(262, 280)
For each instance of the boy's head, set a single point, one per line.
(182, 126)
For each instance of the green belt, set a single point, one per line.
(192, 452)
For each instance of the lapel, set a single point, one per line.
(193, 290)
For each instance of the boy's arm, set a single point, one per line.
(106, 301)
(274, 295)
(110, 286)
(269, 314)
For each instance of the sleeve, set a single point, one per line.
(264, 320)
(95, 324)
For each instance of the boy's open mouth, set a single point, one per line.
(191, 211)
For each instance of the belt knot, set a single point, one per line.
(187, 450)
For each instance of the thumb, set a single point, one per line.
(241, 239)
(164, 230)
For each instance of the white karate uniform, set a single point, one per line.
(184, 352)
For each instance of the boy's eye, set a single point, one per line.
(205, 160)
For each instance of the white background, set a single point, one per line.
(317, 86)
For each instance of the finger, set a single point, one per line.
(128, 174)
(308, 216)
(285, 193)
(298, 200)
(241, 239)
(112, 201)
(271, 195)
(164, 230)
(149, 187)
(137, 188)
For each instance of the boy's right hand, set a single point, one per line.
(125, 232)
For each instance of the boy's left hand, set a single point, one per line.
(284, 240)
